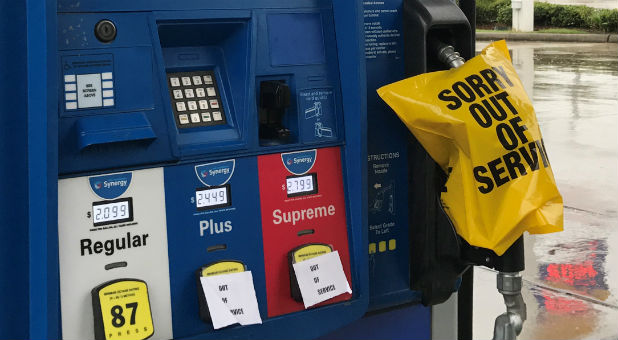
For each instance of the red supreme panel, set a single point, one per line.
(300, 192)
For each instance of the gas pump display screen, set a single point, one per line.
(213, 197)
(302, 185)
(110, 212)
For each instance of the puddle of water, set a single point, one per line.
(572, 276)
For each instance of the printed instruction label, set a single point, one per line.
(317, 106)
(321, 278)
(382, 34)
(231, 299)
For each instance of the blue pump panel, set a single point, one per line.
(197, 238)
(188, 96)
(295, 39)
(387, 179)
(125, 100)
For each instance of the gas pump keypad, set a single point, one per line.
(196, 99)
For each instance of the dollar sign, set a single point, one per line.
(283, 187)
(192, 200)
(88, 214)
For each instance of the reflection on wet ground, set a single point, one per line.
(571, 278)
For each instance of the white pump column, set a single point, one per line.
(523, 15)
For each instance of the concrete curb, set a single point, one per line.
(590, 38)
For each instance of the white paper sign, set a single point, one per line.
(321, 278)
(231, 299)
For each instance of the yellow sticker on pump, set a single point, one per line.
(223, 267)
(310, 251)
(122, 310)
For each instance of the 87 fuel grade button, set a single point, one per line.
(121, 310)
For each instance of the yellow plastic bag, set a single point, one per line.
(478, 124)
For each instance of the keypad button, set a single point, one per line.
(107, 84)
(71, 105)
(70, 87)
(108, 102)
(184, 119)
(72, 96)
(189, 93)
(69, 78)
(106, 76)
(193, 94)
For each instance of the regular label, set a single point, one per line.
(321, 278)
(231, 299)
(122, 311)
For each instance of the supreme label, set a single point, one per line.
(289, 222)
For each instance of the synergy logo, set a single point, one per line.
(217, 173)
(222, 170)
(303, 160)
(299, 162)
(110, 186)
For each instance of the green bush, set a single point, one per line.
(603, 20)
(505, 13)
(570, 16)
(491, 12)
(498, 12)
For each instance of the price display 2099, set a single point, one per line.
(113, 211)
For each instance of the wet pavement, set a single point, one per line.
(571, 278)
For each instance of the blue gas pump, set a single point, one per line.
(152, 143)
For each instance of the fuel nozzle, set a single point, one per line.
(509, 265)
(508, 325)
(447, 54)
(509, 283)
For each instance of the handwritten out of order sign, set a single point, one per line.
(321, 278)
(231, 299)
(479, 125)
